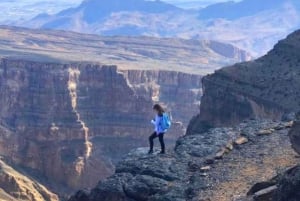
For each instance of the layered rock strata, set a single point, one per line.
(72, 123)
(265, 88)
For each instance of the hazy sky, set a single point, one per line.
(12, 10)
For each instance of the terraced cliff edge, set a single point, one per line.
(268, 87)
(61, 122)
(219, 165)
(139, 53)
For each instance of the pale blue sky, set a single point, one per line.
(12, 10)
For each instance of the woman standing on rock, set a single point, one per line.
(161, 123)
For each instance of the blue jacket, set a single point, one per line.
(157, 124)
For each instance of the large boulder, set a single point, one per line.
(289, 186)
(294, 134)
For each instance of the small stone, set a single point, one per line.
(229, 146)
(205, 168)
(279, 127)
(220, 154)
(265, 132)
(289, 124)
(193, 167)
(261, 186)
(203, 174)
(241, 140)
(209, 161)
(265, 194)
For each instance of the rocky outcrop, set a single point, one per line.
(288, 186)
(196, 171)
(228, 50)
(295, 135)
(62, 121)
(17, 186)
(265, 88)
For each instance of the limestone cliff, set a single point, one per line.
(265, 88)
(63, 121)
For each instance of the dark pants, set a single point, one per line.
(161, 140)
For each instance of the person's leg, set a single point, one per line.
(151, 143)
(162, 143)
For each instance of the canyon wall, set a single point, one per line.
(72, 123)
(259, 99)
(265, 88)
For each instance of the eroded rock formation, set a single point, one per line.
(16, 185)
(265, 88)
(63, 121)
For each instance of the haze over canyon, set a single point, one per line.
(78, 81)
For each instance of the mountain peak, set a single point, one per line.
(95, 9)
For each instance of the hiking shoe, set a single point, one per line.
(162, 152)
(150, 152)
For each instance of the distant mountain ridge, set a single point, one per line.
(101, 10)
(250, 24)
(93, 10)
(233, 10)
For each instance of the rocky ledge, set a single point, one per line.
(285, 186)
(221, 164)
(265, 88)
